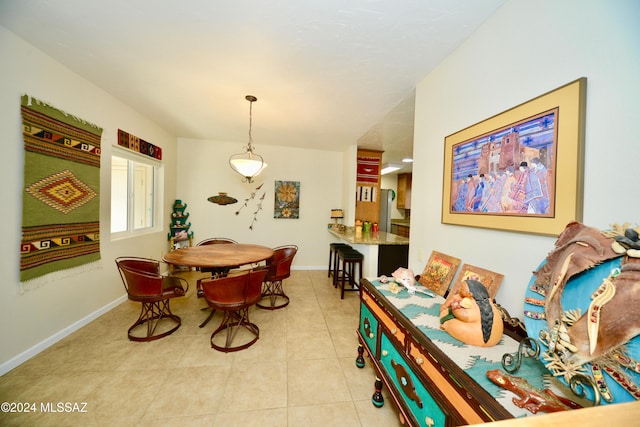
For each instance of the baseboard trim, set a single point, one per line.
(48, 342)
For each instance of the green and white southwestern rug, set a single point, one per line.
(61, 198)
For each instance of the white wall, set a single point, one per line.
(37, 318)
(525, 49)
(204, 171)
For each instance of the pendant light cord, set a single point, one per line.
(251, 100)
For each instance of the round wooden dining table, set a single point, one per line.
(219, 259)
(218, 256)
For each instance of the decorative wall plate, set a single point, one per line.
(222, 199)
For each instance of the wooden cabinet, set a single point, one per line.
(400, 230)
(429, 388)
(404, 191)
(368, 185)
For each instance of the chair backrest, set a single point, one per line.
(279, 264)
(234, 292)
(138, 263)
(140, 276)
(216, 241)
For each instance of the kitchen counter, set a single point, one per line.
(400, 227)
(399, 221)
(379, 238)
(383, 252)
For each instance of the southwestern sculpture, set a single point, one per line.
(593, 341)
(471, 317)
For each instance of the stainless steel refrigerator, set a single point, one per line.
(386, 200)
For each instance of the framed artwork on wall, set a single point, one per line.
(287, 200)
(521, 170)
(439, 272)
(489, 279)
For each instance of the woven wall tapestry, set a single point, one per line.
(61, 198)
(138, 145)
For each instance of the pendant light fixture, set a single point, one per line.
(248, 164)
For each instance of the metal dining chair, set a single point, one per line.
(144, 284)
(279, 266)
(215, 272)
(234, 295)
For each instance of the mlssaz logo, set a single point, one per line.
(63, 407)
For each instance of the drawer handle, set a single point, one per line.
(385, 353)
(406, 383)
(429, 421)
(419, 360)
(394, 331)
(367, 327)
(365, 298)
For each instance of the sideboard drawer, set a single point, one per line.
(413, 393)
(450, 387)
(391, 324)
(368, 328)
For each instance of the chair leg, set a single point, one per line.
(345, 276)
(352, 276)
(232, 321)
(273, 291)
(336, 270)
(209, 317)
(348, 276)
(151, 314)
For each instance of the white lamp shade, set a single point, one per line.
(247, 167)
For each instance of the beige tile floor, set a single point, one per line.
(301, 372)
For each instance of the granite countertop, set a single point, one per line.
(379, 238)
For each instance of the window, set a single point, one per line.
(134, 193)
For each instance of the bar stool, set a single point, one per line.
(348, 259)
(337, 270)
(333, 256)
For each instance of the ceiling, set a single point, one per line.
(327, 73)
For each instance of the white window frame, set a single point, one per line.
(158, 194)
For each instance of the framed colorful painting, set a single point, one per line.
(507, 171)
(439, 272)
(287, 200)
(489, 279)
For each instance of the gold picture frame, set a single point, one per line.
(484, 147)
(439, 272)
(491, 280)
